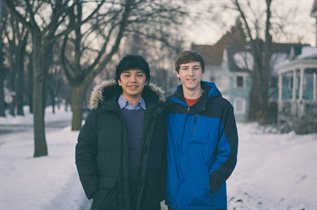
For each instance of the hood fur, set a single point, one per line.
(109, 88)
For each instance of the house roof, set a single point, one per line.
(308, 53)
(237, 51)
(241, 60)
(232, 38)
(213, 53)
(286, 47)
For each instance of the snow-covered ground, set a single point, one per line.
(274, 171)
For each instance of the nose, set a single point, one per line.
(190, 72)
(133, 78)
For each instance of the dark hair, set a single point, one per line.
(189, 56)
(133, 62)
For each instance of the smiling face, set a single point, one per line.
(132, 82)
(190, 75)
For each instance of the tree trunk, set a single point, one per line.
(20, 75)
(2, 108)
(78, 93)
(39, 82)
(20, 88)
(30, 85)
(2, 73)
(259, 94)
(259, 103)
(40, 146)
(255, 94)
(12, 106)
(52, 95)
(2, 78)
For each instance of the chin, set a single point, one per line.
(191, 87)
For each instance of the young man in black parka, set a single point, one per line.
(121, 149)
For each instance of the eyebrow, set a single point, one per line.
(129, 71)
(186, 66)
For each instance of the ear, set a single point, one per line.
(119, 82)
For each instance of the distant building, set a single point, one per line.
(297, 95)
(297, 88)
(237, 64)
(229, 63)
(292, 87)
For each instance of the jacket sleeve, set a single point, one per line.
(86, 154)
(164, 158)
(226, 151)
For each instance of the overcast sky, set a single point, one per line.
(208, 32)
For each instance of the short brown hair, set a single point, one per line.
(189, 56)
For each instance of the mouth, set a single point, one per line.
(133, 86)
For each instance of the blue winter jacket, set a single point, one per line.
(202, 150)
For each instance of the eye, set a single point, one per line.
(126, 75)
(140, 75)
(196, 68)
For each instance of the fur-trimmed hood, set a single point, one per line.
(109, 88)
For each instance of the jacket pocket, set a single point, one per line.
(203, 131)
(200, 138)
(106, 197)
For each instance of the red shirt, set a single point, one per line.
(191, 102)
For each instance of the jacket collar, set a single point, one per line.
(210, 91)
(107, 93)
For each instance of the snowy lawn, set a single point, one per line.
(50, 182)
(274, 171)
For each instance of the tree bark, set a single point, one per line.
(52, 95)
(39, 83)
(2, 109)
(20, 76)
(3, 72)
(78, 93)
(30, 85)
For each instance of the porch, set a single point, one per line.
(297, 95)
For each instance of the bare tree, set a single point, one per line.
(261, 51)
(47, 22)
(28, 90)
(3, 74)
(83, 59)
(3, 69)
(56, 83)
(15, 37)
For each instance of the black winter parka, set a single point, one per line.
(102, 152)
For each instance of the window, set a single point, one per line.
(239, 81)
(239, 106)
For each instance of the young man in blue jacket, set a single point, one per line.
(202, 140)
